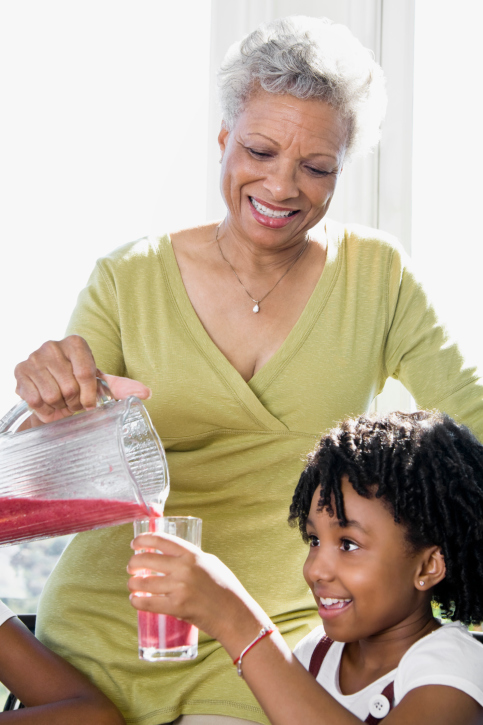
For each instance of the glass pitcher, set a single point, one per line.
(96, 468)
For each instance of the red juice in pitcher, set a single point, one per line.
(23, 518)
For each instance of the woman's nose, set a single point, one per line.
(281, 181)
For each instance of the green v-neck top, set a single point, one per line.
(235, 449)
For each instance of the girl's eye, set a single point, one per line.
(313, 540)
(347, 545)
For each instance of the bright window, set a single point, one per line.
(447, 245)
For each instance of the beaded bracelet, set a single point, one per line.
(263, 633)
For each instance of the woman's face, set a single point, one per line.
(280, 165)
(363, 576)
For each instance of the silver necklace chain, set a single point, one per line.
(258, 302)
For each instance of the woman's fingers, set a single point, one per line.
(58, 379)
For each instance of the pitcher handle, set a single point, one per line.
(17, 415)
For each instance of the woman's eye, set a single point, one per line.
(259, 154)
(347, 545)
(317, 172)
(313, 540)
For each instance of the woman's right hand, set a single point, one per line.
(59, 379)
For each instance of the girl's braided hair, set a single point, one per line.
(429, 472)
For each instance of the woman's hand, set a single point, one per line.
(59, 379)
(196, 587)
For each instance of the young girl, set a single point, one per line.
(392, 510)
(53, 692)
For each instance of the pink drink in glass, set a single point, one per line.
(160, 636)
(167, 638)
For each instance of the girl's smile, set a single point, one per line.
(330, 607)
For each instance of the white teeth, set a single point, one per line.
(328, 601)
(269, 212)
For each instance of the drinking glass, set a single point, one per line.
(162, 637)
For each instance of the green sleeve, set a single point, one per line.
(96, 319)
(420, 353)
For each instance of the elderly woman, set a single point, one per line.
(254, 334)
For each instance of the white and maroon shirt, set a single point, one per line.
(448, 656)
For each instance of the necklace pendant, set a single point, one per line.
(256, 308)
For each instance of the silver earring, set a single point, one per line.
(421, 583)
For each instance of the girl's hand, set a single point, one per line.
(199, 588)
(59, 379)
(196, 587)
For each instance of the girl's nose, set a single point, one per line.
(281, 181)
(319, 567)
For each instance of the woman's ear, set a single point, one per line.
(223, 138)
(431, 569)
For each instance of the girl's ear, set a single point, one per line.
(431, 569)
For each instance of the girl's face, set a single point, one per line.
(363, 576)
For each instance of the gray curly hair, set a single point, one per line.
(308, 58)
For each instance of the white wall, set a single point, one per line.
(103, 139)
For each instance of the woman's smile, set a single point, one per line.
(269, 215)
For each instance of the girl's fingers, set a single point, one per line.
(153, 585)
(153, 562)
(159, 605)
(164, 543)
(159, 594)
(162, 595)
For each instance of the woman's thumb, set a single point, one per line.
(124, 387)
